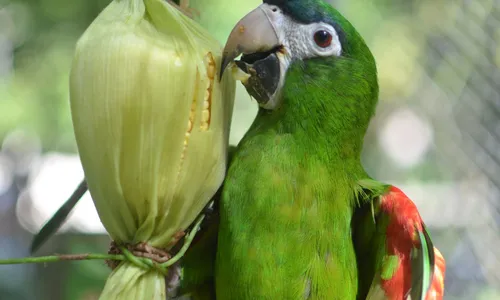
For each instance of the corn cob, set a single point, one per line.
(151, 122)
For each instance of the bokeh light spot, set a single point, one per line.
(406, 137)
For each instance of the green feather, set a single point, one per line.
(390, 264)
(422, 264)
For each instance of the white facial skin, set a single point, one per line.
(299, 42)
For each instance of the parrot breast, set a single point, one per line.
(285, 225)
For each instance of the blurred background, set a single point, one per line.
(436, 133)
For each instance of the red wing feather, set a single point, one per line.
(402, 237)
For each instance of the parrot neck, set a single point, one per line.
(327, 105)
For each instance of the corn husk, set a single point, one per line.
(151, 121)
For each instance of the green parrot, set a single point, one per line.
(299, 218)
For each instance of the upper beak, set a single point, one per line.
(254, 33)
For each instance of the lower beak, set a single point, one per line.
(264, 77)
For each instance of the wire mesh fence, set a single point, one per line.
(456, 92)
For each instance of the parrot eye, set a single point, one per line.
(323, 38)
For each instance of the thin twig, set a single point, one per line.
(141, 262)
(187, 242)
(62, 257)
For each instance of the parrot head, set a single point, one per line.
(310, 37)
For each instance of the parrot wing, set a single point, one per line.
(55, 222)
(398, 260)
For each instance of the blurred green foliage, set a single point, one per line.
(35, 95)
